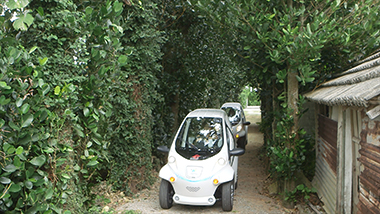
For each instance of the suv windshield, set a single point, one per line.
(200, 138)
(234, 114)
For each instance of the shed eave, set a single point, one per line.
(357, 94)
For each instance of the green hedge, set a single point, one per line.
(87, 91)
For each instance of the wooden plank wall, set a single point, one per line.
(369, 179)
(327, 130)
(326, 162)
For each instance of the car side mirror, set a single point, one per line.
(163, 149)
(247, 123)
(237, 152)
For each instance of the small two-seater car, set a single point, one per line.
(202, 162)
(239, 123)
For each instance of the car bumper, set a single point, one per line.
(197, 201)
(194, 193)
(198, 191)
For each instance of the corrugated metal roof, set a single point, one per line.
(354, 87)
(357, 77)
(347, 95)
(369, 62)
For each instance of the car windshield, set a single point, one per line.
(200, 138)
(234, 114)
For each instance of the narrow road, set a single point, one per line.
(249, 197)
(252, 174)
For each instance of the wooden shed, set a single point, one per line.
(347, 174)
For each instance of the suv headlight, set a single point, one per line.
(239, 128)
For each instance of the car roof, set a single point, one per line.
(209, 112)
(231, 104)
(205, 112)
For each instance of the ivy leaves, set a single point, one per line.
(25, 182)
(23, 19)
(38, 161)
(17, 4)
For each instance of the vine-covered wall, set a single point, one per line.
(89, 89)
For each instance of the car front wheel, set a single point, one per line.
(228, 196)
(166, 194)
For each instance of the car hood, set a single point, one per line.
(198, 170)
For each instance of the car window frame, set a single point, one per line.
(229, 137)
(182, 138)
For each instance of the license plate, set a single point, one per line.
(194, 171)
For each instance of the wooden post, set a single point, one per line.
(347, 187)
(340, 161)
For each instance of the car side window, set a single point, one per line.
(242, 113)
(230, 139)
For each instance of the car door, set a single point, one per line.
(232, 145)
(244, 119)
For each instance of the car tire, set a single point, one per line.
(166, 194)
(228, 196)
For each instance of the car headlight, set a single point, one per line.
(222, 161)
(171, 159)
(239, 128)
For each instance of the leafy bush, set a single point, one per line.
(300, 191)
(67, 85)
(33, 151)
(199, 67)
(249, 96)
(290, 150)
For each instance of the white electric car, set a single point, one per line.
(202, 162)
(238, 121)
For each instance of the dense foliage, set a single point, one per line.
(76, 89)
(199, 69)
(86, 94)
(249, 97)
(88, 89)
(292, 46)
